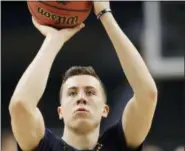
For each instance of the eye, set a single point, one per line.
(72, 93)
(90, 92)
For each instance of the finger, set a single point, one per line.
(73, 31)
(82, 25)
(35, 23)
(77, 28)
(41, 28)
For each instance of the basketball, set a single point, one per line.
(60, 14)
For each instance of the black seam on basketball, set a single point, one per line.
(72, 10)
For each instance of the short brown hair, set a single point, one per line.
(81, 70)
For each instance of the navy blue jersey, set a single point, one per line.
(113, 139)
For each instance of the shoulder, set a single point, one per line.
(50, 142)
(114, 138)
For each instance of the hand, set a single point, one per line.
(62, 35)
(100, 5)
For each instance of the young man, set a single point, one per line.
(83, 99)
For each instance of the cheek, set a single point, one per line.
(97, 104)
(67, 101)
(67, 107)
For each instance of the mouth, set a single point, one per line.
(81, 110)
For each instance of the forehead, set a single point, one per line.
(82, 81)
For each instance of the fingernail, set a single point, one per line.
(82, 25)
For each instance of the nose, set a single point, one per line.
(81, 101)
(81, 98)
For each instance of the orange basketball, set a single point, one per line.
(60, 14)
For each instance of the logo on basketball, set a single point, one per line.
(59, 19)
(60, 14)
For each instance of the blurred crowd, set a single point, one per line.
(8, 141)
(156, 148)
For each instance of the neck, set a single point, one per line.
(81, 141)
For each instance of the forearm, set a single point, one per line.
(33, 82)
(133, 65)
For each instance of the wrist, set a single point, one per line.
(103, 12)
(107, 17)
(52, 45)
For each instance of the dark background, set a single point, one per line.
(21, 42)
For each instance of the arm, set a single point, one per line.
(138, 114)
(26, 119)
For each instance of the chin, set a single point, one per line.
(83, 125)
(83, 122)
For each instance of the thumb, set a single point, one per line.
(72, 31)
(43, 29)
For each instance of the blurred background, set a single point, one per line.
(157, 29)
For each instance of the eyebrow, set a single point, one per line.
(86, 87)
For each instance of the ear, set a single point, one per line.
(105, 111)
(59, 110)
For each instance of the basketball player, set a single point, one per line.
(83, 98)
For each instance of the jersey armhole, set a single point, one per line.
(123, 138)
(45, 143)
